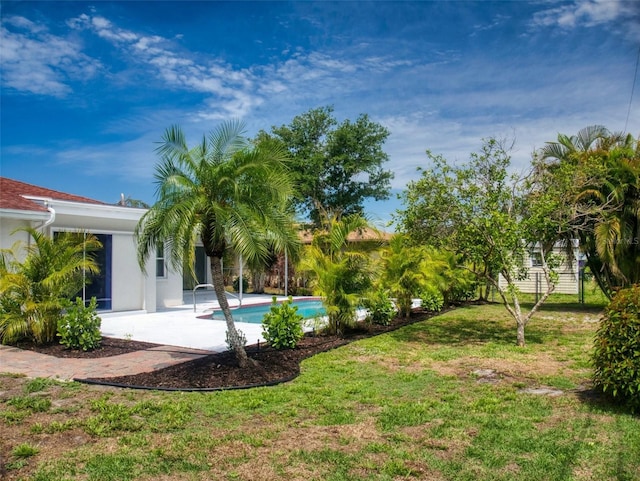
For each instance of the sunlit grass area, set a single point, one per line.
(449, 398)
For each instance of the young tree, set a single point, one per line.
(335, 166)
(33, 292)
(487, 216)
(229, 194)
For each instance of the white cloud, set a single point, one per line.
(619, 14)
(34, 60)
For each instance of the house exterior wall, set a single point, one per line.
(568, 276)
(8, 236)
(127, 280)
(131, 288)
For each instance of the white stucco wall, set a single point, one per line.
(127, 280)
(7, 239)
(169, 290)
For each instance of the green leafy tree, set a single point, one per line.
(231, 195)
(34, 292)
(477, 210)
(335, 166)
(341, 269)
(594, 179)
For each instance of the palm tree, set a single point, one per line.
(605, 201)
(229, 194)
(33, 292)
(341, 269)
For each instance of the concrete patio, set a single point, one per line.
(181, 325)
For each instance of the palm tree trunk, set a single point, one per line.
(232, 332)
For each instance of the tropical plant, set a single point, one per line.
(402, 272)
(341, 269)
(379, 306)
(431, 300)
(79, 327)
(616, 357)
(33, 292)
(230, 195)
(282, 325)
(595, 177)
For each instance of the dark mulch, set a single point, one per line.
(109, 346)
(221, 370)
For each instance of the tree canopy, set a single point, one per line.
(486, 216)
(335, 166)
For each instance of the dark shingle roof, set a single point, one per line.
(13, 192)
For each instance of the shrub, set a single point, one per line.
(79, 327)
(282, 326)
(236, 284)
(380, 307)
(617, 349)
(431, 300)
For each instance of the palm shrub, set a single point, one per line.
(403, 273)
(616, 356)
(432, 300)
(282, 325)
(33, 292)
(379, 306)
(79, 327)
(341, 270)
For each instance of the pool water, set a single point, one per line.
(307, 308)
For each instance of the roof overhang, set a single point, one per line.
(29, 215)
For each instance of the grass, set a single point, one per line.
(405, 405)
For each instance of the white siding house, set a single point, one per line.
(121, 285)
(568, 272)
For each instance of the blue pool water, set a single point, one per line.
(307, 308)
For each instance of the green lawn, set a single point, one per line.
(439, 400)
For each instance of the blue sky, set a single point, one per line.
(87, 88)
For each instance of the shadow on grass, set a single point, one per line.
(558, 307)
(459, 331)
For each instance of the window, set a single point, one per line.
(536, 259)
(161, 270)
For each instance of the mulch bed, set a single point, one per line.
(221, 370)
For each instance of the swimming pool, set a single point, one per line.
(307, 308)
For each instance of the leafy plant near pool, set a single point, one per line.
(282, 326)
(380, 307)
(617, 349)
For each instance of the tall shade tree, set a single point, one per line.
(230, 195)
(33, 292)
(488, 218)
(595, 178)
(336, 167)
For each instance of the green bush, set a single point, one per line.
(282, 326)
(79, 327)
(236, 284)
(616, 356)
(380, 307)
(431, 300)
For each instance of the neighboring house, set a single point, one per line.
(568, 272)
(121, 284)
